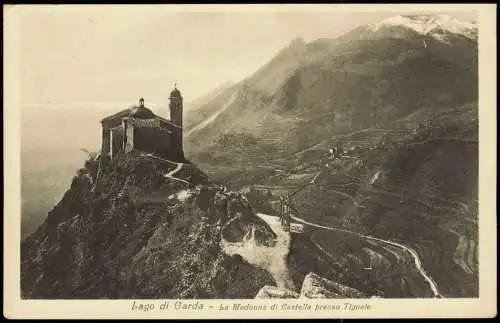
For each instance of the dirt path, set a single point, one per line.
(171, 174)
(174, 171)
(354, 201)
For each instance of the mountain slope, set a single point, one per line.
(143, 228)
(415, 186)
(311, 91)
(376, 132)
(196, 111)
(138, 234)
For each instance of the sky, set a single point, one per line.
(98, 54)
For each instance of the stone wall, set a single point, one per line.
(105, 144)
(116, 141)
(148, 135)
(145, 123)
(152, 140)
(129, 135)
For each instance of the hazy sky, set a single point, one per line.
(119, 53)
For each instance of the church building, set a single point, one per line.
(138, 128)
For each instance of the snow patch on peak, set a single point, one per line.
(429, 25)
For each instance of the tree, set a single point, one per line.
(92, 163)
(92, 154)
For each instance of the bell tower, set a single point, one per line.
(175, 106)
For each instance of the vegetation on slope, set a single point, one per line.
(132, 237)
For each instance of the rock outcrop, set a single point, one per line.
(276, 292)
(142, 235)
(313, 286)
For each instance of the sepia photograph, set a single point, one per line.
(169, 155)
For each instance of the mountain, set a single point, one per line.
(201, 112)
(311, 91)
(200, 101)
(437, 26)
(369, 142)
(413, 186)
(144, 228)
(133, 233)
(374, 132)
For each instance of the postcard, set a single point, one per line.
(250, 161)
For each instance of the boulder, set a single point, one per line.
(276, 292)
(315, 286)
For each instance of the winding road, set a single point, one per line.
(405, 249)
(285, 281)
(418, 263)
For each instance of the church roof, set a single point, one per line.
(138, 113)
(141, 113)
(133, 112)
(167, 121)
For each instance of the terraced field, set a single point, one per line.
(400, 185)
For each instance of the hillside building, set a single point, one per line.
(138, 128)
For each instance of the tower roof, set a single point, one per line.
(175, 93)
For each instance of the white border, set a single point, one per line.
(484, 306)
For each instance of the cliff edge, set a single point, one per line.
(135, 230)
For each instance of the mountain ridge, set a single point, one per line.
(431, 24)
(392, 102)
(362, 132)
(333, 86)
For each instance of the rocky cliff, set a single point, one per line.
(134, 230)
(133, 233)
